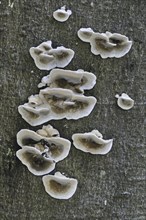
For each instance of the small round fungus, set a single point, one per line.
(35, 161)
(85, 34)
(62, 14)
(124, 101)
(92, 142)
(59, 186)
(77, 81)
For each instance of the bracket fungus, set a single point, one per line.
(85, 34)
(124, 101)
(35, 161)
(106, 44)
(59, 186)
(42, 59)
(77, 81)
(66, 104)
(92, 142)
(46, 58)
(34, 116)
(57, 104)
(62, 14)
(55, 148)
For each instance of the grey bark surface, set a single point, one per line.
(111, 187)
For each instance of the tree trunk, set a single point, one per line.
(111, 187)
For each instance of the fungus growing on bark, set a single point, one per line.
(34, 116)
(106, 44)
(124, 101)
(85, 34)
(59, 186)
(66, 104)
(62, 14)
(101, 46)
(57, 104)
(35, 161)
(46, 58)
(42, 59)
(26, 137)
(55, 148)
(77, 81)
(92, 142)
(123, 44)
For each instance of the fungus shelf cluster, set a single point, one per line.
(61, 96)
(40, 152)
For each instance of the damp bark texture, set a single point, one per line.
(111, 187)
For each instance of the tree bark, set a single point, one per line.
(111, 187)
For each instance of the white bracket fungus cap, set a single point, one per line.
(100, 45)
(122, 44)
(26, 137)
(106, 44)
(77, 81)
(55, 148)
(85, 34)
(124, 101)
(42, 59)
(110, 45)
(46, 58)
(57, 104)
(62, 14)
(34, 116)
(92, 142)
(59, 186)
(65, 104)
(35, 161)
